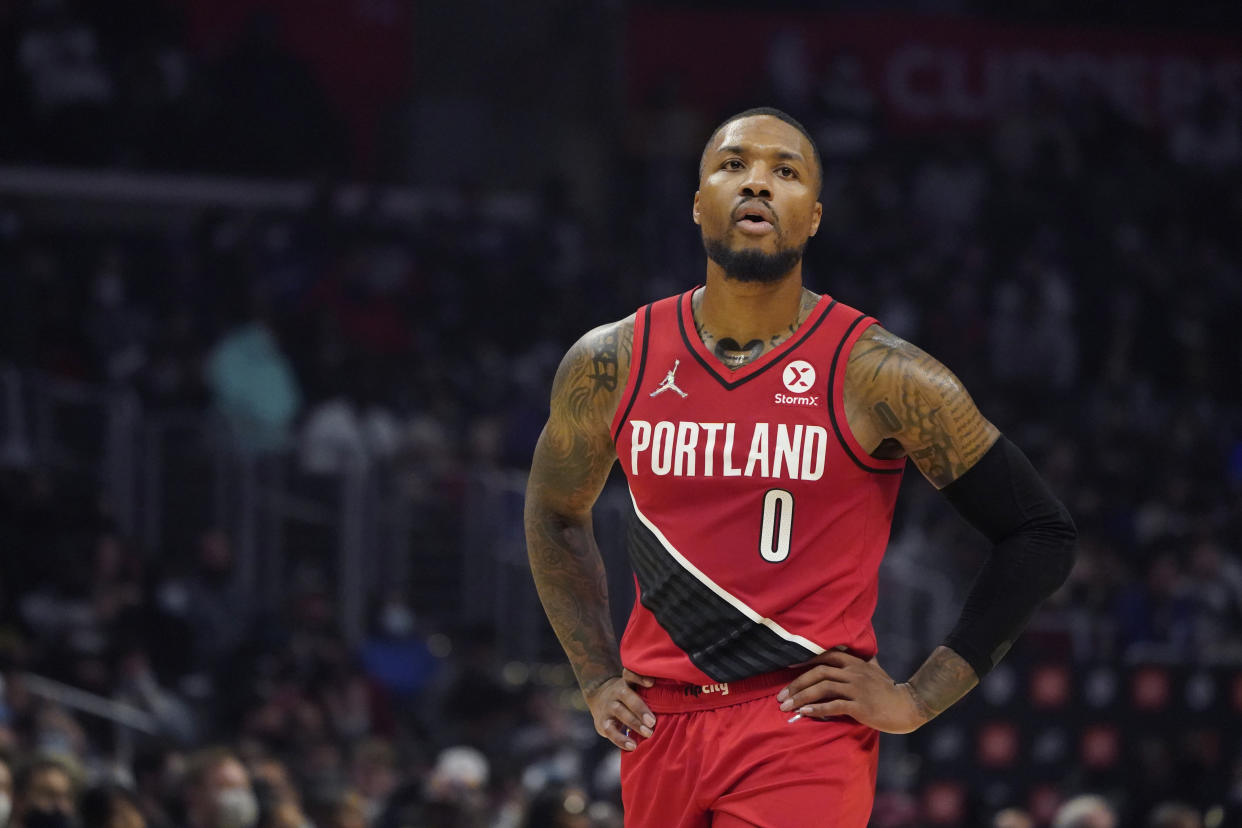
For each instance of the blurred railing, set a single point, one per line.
(127, 720)
(497, 576)
(125, 197)
(168, 476)
(15, 448)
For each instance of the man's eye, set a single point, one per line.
(733, 164)
(788, 172)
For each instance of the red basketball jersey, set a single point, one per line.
(759, 521)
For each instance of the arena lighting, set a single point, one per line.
(1001, 686)
(1043, 803)
(1200, 691)
(1150, 689)
(1050, 686)
(1050, 746)
(944, 803)
(947, 744)
(1236, 694)
(1101, 687)
(998, 744)
(1101, 746)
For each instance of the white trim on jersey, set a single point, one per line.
(731, 599)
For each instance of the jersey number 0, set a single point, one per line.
(778, 508)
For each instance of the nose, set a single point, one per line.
(757, 183)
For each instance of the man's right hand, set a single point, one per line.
(618, 710)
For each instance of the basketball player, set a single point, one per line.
(763, 430)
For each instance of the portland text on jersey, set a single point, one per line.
(695, 449)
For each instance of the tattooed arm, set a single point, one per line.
(901, 401)
(571, 463)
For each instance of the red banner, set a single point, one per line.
(927, 71)
(359, 50)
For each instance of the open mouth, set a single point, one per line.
(754, 223)
(754, 217)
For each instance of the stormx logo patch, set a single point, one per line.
(798, 377)
(695, 690)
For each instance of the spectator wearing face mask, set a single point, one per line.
(217, 791)
(44, 794)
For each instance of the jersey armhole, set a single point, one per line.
(642, 328)
(836, 404)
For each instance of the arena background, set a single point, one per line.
(283, 285)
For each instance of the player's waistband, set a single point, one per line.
(678, 697)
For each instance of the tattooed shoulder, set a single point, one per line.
(903, 395)
(592, 375)
(575, 451)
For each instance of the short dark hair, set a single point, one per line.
(202, 762)
(97, 805)
(781, 115)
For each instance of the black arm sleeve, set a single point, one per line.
(1005, 498)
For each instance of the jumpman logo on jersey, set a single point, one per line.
(669, 383)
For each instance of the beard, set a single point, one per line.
(749, 265)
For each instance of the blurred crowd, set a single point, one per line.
(125, 75)
(1081, 272)
(241, 715)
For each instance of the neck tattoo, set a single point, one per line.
(730, 353)
(733, 355)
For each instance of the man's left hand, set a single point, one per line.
(840, 684)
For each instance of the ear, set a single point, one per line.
(817, 213)
(696, 213)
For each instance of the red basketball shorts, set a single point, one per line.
(727, 756)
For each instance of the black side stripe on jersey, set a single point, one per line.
(832, 409)
(638, 380)
(714, 370)
(723, 637)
